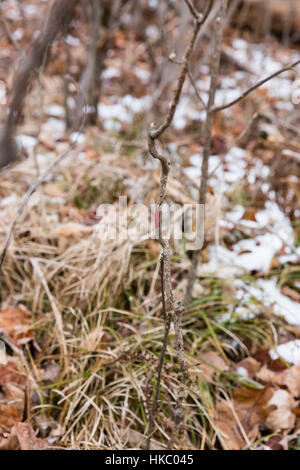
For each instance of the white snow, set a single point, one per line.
(111, 72)
(55, 110)
(186, 112)
(9, 200)
(290, 352)
(283, 306)
(122, 110)
(26, 141)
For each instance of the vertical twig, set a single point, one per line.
(171, 308)
(215, 70)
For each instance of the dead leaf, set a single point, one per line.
(239, 420)
(250, 214)
(91, 153)
(45, 424)
(52, 190)
(215, 359)
(51, 373)
(279, 442)
(282, 415)
(16, 323)
(291, 293)
(22, 437)
(13, 385)
(288, 378)
(250, 365)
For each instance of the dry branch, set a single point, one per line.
(172, 309)
(219, 25)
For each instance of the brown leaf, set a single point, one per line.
(279, 442)
(216, 360)
(282, 415)
(291, 293)
(250, 365)
(9, 416)
(12, 404)
(230, 430)
(51, 373)
(250, 214)
(22, 437)
(91, 153)
(288, 378)
(16, 323)
(239, 420)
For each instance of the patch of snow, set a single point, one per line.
(152, 31)
(72, 41)
(225, 96)
(235, 215)
(55, 110)
(30, 10)
(77, 137)
(279, 88)
(111, 72)
(242, 372)
(9, 200)
(291, 257)
(26, 141)
(185, 112)
(17, 34)
(235, 165)
(122, 111)
(283, 305)
(153, 4)
(142, 74)
(290, 352)
(240, 44)
(54, 126)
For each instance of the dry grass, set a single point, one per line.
(107, 296)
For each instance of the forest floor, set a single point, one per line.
(81, 315)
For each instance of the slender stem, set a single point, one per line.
(171, 308)
(254, 87)
(215, 70)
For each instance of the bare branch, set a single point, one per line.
(253, 88)
(171, 308)
(215, 70)
(183, 72)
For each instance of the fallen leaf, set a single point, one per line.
(215, 359)
(279, 442)
(282, 415)
(13, 385)
(288, 378)
(52, 190)
(22, 437)
(16, 323)
(291, 293)
(239, 420)
(51, 373)
(91, 153)
(248, 367)
(250, 214)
